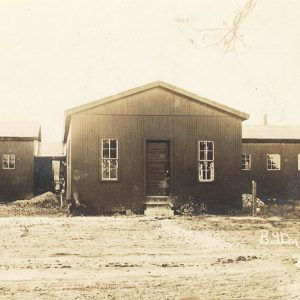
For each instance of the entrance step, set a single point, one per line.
(161, 206)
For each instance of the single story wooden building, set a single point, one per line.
(153, 143)
(18, 146)
(271, 157)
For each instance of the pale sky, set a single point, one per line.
(56, 54)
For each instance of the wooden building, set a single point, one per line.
(18, 145)
(153, 143)
(271, 157)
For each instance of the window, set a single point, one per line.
(246, 161)
(273, 161)
(8, 161)
(206, 170)
(109, 158)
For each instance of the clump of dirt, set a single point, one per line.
(46, 200)
(238, 259)
(122, 265)
(46, 204)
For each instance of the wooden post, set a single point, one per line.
(254, 204)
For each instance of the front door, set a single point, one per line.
(158, 168)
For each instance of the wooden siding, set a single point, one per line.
(283, 184)
(69, 168)
(17, 183)
(155, 114)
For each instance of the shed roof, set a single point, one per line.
(20, 129)
(70, 112)
(47, 149)
(271, 132)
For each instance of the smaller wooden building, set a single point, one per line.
(154, 142)
(18, 146)
(271, 157)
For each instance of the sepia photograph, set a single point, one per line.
(150, 149)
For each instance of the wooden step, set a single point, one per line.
(155, 212)
(158, 206)
(159, 201)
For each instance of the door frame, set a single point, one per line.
(161, 139)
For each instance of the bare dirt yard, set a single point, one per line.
(137, 257)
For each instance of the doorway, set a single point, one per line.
(158, 168)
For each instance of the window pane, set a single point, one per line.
(105, 153)
(105, 163)
(105, 173)
(105, 143)
(276, 159)
(113, 164)
(212, 170)
(202, 146)
(113, 153)
(200, 170)
(208, 174)
(210, 155)
(113, 173)
(113, 143)
(269, 160)
(210, 146)
(201, 155)
(5, 162)
(273, 161)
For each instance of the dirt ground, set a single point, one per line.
(137, 257)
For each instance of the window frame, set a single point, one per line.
(206, 160)
(9, 155)
(250, 162)
(109, 159)
(271, 164)
(298, 156)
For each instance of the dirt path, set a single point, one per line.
(146, 258)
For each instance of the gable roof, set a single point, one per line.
(20, 130)
(271, 132)
(227, 109)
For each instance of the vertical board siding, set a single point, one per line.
(69, 165)
(283, 184)
(17, 183)
(150, 115)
